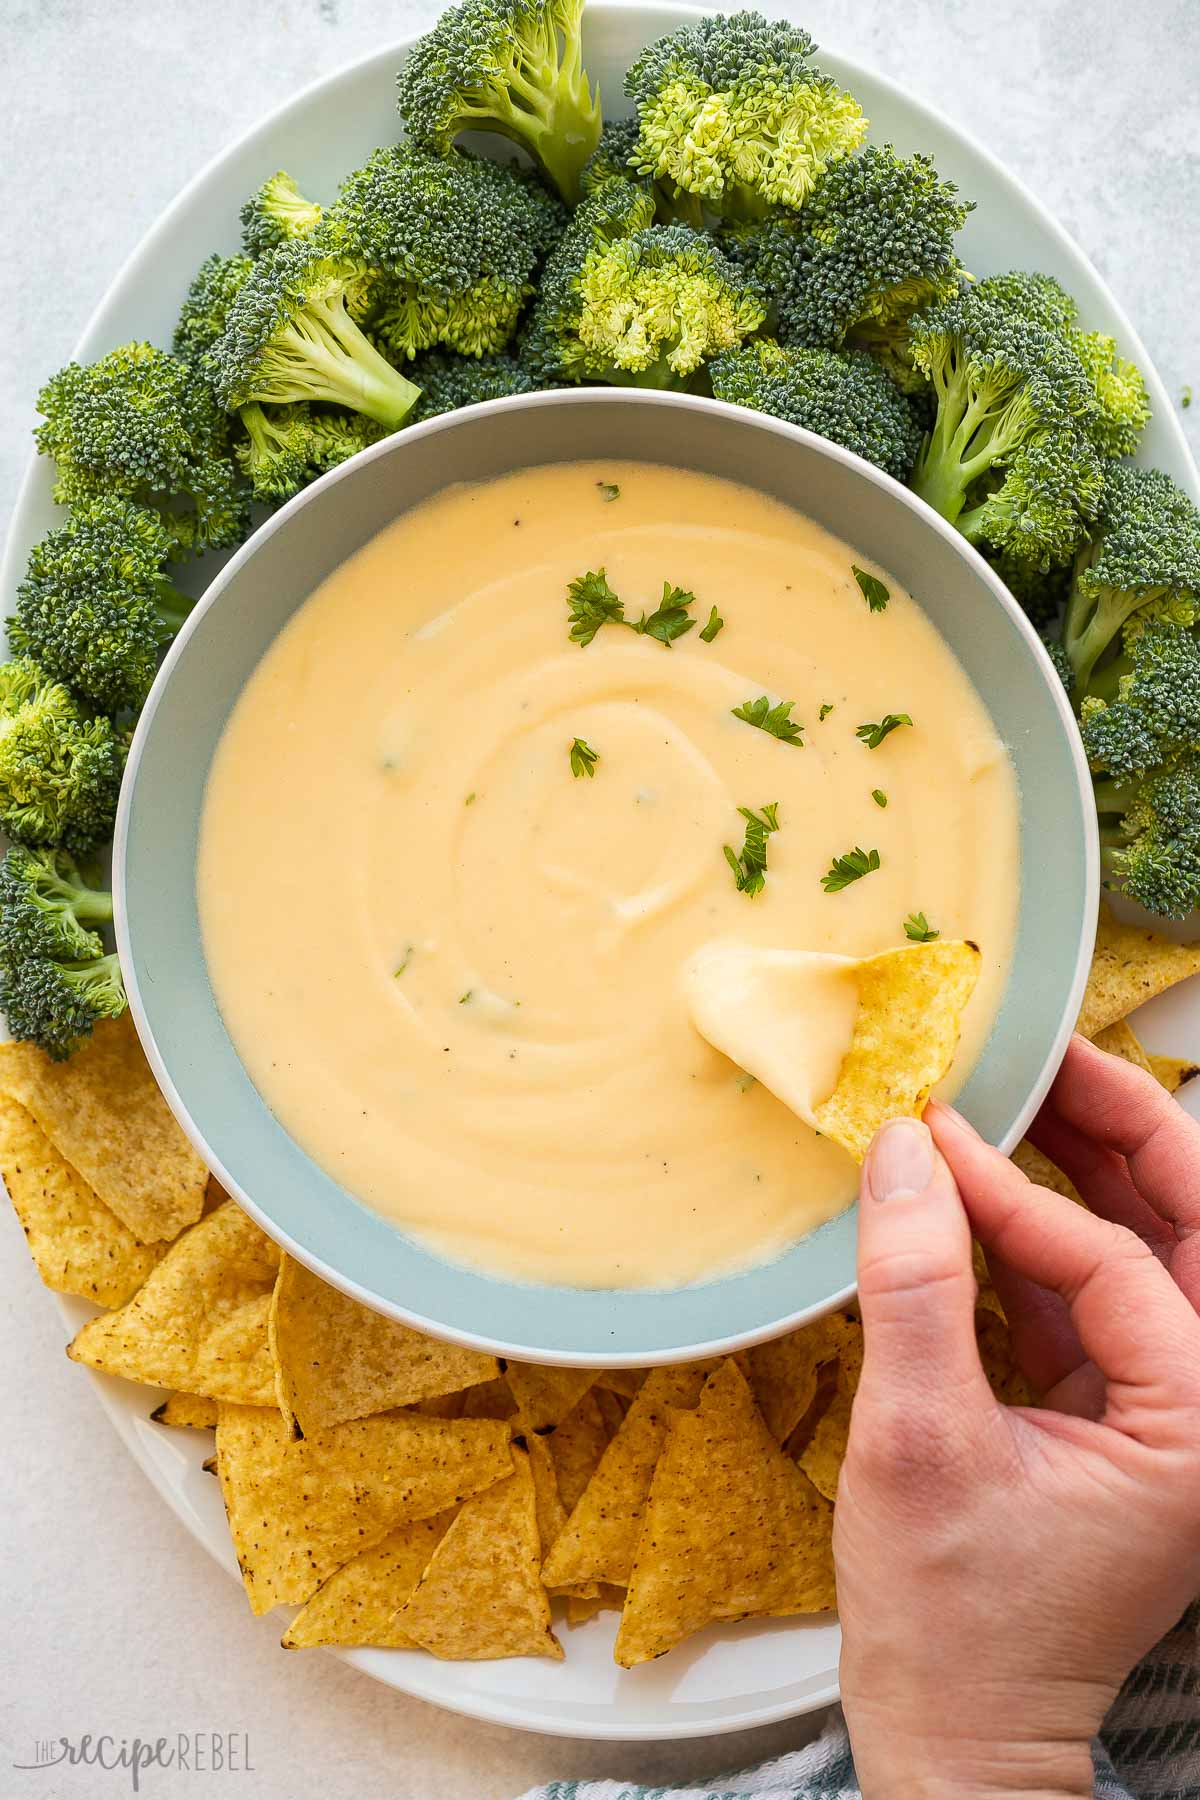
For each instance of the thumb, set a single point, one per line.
(916, 1286)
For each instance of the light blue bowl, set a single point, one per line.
(158, 928)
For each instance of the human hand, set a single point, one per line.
(1000, 1569)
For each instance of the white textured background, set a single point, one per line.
(111, 1617)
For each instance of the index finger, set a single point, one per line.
(1121, 1108)
(1132, 1320)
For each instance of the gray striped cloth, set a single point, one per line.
(1149, 1748)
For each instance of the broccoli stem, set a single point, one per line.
(337, 362)
(1092, 622)
(172, 607)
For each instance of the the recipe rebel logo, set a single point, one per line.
(186, 1752)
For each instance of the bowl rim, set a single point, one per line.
(398, 444)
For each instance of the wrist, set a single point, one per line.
(945, 1767)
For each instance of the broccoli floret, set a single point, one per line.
(448, 382)
(632, 303)
(142, 425)
(95, 608)
(874, 242)
(202, 320)
(508, 66)
(57, 1004)
(1061, 661)
(60, 766)
(1142, 564)
(339, 435)
(1122, 401)
(732, 112)
(1142, 710)
(277, 213)
(844, 396)
(1041, 595)
(454, 242)
(612, 157)
(290, 337)
(1150, 838)
(1009, 458)
(48, 907)
(278, 455)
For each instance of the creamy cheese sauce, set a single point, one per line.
(456, 972)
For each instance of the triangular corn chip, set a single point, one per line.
(190, 1411)
(599, 1539)
(102, 1110)
(783, 1375)
(825, 1452)
(359, 1602)
(335, 1359)
(1173, 1072)
(77, 1242)
(576, 1445)
(299, 1508)
(613, 1409)
(199, 1323)
(490, 1400)
(732, 1529)
(1120, 1039)
(481, 1596)
(910, 1007)
(625, 1382)
(996, 1354)
(551, 1513)
(544, 1396)
(1041, 1170)
(581, 1608)
(1130, 965)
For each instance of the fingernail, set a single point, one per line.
(952, 1113)
(900, 1160)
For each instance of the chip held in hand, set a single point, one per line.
(845, 1042)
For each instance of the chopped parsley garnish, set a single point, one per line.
(398, 971)
(918, 928)
(879, 797)
(750, 868)
(772, 719)
(825, 710)
(471, 798)
(874, 592)
(670, 618)
(609, 489)
(592, 604)
(583, 758)
(852, 867)
(1185, 399)
(715, 624)
(873, 735)
(464, 998)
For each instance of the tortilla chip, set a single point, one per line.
(999, 1365)
(580, 1609)
(481, 1596)
(102, 1111)
(551, 1513)
(783, 1375)
(910, 1006)
(625, 1382)
(613, 1409)
(440, 1406)
(299, 1508)
(576, 1446)
(802, 1435)
(359, 1602)
(1173, 1072)
(544, 1396)
(78, 1244)
(1040, 1169)
(1130, 965)
(598, 1541)
(732, 1530)
(1120, 1039)
(822, 1458)
(199, 1323)
(335, 1359)
(191, 1411)
(490, 1400)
